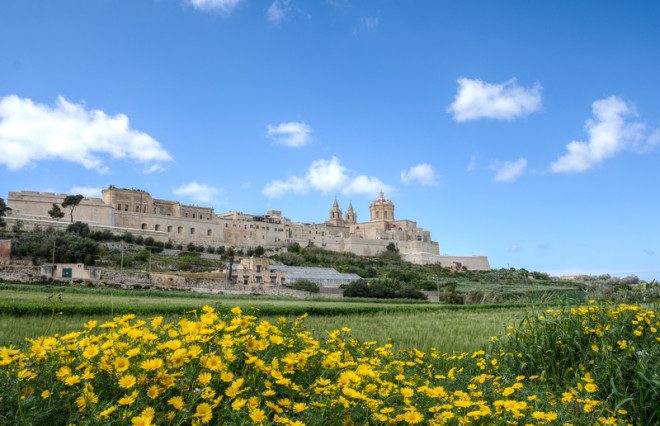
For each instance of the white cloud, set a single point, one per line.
(509, 171)
(609, 133)
(472, 165)
(505, 101)
(223, 6)
(276, 13)
(370, 23)
(293, 133)
(87, 191)
(279, 188)
(326, 176)
(422, 173)
(196, 191)
(30, 132)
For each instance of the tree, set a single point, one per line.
(230, 252)
(306, 285)
(259, 251)
(3, 211)
(56, 212)
(392, 247)
(71, 202)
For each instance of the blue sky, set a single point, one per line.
(524, 131)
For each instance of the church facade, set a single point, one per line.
(136, 211)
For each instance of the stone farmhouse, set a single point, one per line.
(136, 211)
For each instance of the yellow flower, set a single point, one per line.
(45, 394)
(91, 351)
(204, 378)
(72, 380)
(299, 407)
(590, 387)
(151, 364)
(257, 415)
(407, 392)
(106, 413)
(622, 344)
(594, 348)
(204, 412)
(153, 391)
(127, 381)
(176, 402)
(238, 404)
(121, 364)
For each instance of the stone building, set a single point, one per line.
(136, 211)
(256, 272)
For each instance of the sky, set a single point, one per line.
(524, 131)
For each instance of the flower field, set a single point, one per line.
(582, 365)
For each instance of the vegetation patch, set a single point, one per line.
(209, 367)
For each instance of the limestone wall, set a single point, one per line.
(37, 204)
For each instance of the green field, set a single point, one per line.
(34, 310)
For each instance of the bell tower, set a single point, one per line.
(381, 209)
(351, 217)
(336, 215)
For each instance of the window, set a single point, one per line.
(119, 207)
(192, 231)
(137, 209)
(144, 226)
(169, 228)
(186, 214)
(157, 228)
(126, 208)
(258, 268)
(193, 215)
(208, 232)
(179, 230)
(377, 215)
(385, 215)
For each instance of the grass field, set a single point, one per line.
(34, 310)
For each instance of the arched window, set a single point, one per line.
(192, 231)
(169, 228)
(179, 230)
(208, 232)
(144, 226)
(156, 227)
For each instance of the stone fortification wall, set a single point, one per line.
(20, 273)
(32, 223)
(30, 204)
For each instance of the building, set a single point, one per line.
(324, 277)
(257, 272)
(136, 211)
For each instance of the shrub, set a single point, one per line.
(306, 285)
(291, 259)
(79, 228)
(169, 244)
(259, 251)
(149, 241)
(611, 351)
(382, 289)
(128, 237)
(210, 249)
(293, 248)
(139, 240)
